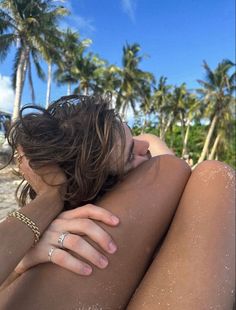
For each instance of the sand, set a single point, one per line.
(8, 184)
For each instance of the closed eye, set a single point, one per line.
(131, 154)
(131, 157)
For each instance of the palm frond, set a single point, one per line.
(209, 74)
(6, 22)
(206, 85)
(6, 40)
(36, 60)
(232, 79)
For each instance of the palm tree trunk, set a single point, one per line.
(184, 151)
(31, 82)
(165, 128)
(214, 148)
(208, 139)
(161, 134)
(145, 122)
(20, 79)
(171, 136)
(49, 82)
(68, 89)
(183, 125)
(86, 90)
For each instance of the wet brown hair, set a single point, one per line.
(78, 133)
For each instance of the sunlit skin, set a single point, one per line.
(137, 150)
(206, 198)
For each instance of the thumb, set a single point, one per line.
(29, 260)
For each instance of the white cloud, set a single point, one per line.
(77, 22)
(7, 94)
(82, 23)
(129, 8)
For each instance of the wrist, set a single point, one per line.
(53, 199)
(44, 208)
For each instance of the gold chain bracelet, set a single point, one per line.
(24, 219)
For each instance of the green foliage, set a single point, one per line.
(168, 111)
(228, 153)
(196, 141)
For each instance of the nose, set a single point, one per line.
(140, 147)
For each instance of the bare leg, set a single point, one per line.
(194, 268)
(145, 204)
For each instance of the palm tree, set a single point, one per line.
(23, 23)
(51, 55)
(193, 112)
(71, 50)
(51, 49)
(108, 79)
(134, 80)
(224, 132)
(217, 91)
(146, 106)
(161, 106)
(85, 72)
(178, 107)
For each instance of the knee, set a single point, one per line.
(211, 170)
(214, 181)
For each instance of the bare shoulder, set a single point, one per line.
(168, 162)
(151, 176)
(171, 167)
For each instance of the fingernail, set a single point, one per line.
(114, 219)
(87, 270)
(112, 247)
(103, 262)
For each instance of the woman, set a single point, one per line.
(145, 203)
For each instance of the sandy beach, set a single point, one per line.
(8, 184)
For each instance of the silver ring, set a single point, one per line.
(62, 238)
(51, 250)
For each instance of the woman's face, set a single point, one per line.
(136, 151)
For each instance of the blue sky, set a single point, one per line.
(176, 36)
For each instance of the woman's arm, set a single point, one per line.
(42, 211)
(17, 238)
(156, 145)
(77, 223)
(145, 203)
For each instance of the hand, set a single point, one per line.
(77, 222)
(44, 179)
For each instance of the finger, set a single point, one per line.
(92, 212)
(80, 246)
(24, 265)
(32, 258)
(69, 262)
(89, 228)
(37, 254)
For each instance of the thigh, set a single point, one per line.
(145, 203)
(195, 267)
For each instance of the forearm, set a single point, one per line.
(17, 238)
(156, 145)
